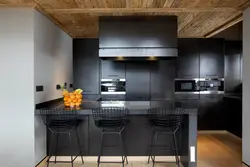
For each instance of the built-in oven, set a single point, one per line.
(186, 86)
(211, 86)
(113, 86)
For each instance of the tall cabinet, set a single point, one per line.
(86, 65)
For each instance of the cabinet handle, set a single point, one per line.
(113, 75)
(211, 75)
(87, 91)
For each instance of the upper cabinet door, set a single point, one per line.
(188, 59)
(233, 80)
(162, 79)
(86, 65)
(113, 69)
(211, 58)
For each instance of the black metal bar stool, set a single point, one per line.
(111, 121)
(60, 121)
(165, 121)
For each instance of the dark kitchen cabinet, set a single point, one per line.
(187, 63)
(211, 58)
(233, 108)
(162, 75)
(113, 69)
(211, 114)
(86, 65)
(233, 54)
(138, 80)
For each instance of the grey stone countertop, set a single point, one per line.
(135, 107)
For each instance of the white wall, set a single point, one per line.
(53, 65)
(17, 88)
(53, 58)
(246, 88)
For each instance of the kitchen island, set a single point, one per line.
(137, 132)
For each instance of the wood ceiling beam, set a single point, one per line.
(228, 24)
(138, 10)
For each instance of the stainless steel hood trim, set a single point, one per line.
(138, 52)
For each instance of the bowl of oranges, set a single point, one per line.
(72, 99)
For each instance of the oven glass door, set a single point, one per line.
(114, 86)
(185, 86)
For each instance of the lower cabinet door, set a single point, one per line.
(211, 113)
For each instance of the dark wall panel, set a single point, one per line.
(137, 80)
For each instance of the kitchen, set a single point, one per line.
(137, 62)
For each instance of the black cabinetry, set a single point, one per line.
(86, 65)
(211, 114)
(233, 108)
(233, 67)
(162, 75)
(113, 69)
(211, 58)
(187, 64)
(138, 80)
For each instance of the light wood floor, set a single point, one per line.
(214, 150)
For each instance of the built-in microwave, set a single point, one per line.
(186, 85)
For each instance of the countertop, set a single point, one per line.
(135, 107)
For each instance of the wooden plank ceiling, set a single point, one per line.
(196, 18)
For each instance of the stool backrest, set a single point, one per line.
(165, 117)
(59, 118)
(110, 116)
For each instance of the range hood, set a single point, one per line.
(138, 37)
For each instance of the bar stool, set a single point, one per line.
(111, 121)
(60, 121)
(168, 122)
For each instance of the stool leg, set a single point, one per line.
(79, 146)
(124, 149)
(70, 144)
(50, 147)
(151, 145)
(176, 150)
(57, 136)
(100, 154)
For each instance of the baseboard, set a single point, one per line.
(245, 164)
(212, 132)
(109, 158)
(42, 163)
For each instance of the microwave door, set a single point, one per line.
(185, 86)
